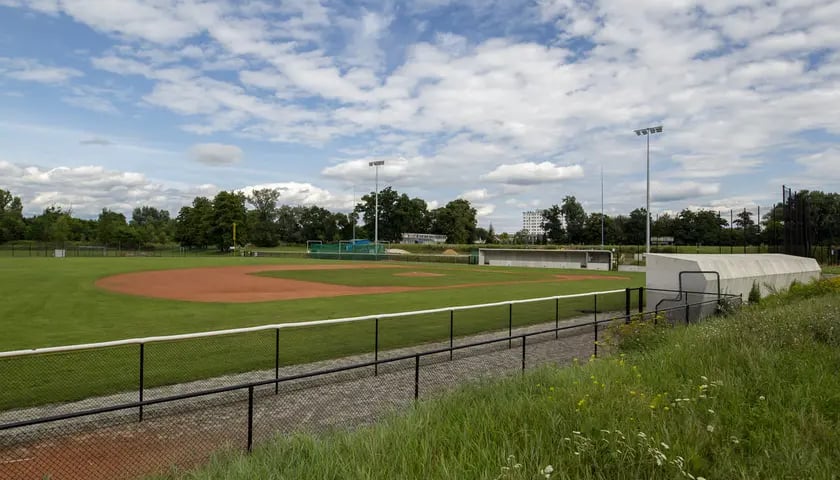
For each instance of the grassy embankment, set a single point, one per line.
(754, 395)
(52, 301)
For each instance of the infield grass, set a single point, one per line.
(51, 302)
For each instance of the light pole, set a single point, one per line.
(376, 166)
(602, 207)
(647, 132)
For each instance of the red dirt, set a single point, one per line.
(419, 274)
(589, 277)
(235, 285)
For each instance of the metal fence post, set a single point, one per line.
(142, 376)
(276, 361)
(641, 299)
(523, 353)
(556, 318)
(250, 417)
(627, 305)
(510, 325)
(376, 350)
(416, 377)
(451, 331)
(686, 308)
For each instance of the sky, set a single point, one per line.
(509, 104)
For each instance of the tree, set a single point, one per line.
(110, 225)
(12, 226)
(151, 225)
(228, 208)
(575, 217)
(747, 229)
(592, 230)
(289, 226)
(398, 214)
(521, 237)
(634, 229)
(491, 235)
(193, 224)
(262, 220)
(457, 221)
(553, 225)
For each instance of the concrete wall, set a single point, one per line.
(738, 273)
(589, 259)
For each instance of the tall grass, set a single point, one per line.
(754, 395)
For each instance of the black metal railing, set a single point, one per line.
(185, 429)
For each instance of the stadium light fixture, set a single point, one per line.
(647, 132)
(376, 166)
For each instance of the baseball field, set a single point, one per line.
(64, 301)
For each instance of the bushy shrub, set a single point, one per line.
(755, 294)
(639, 334)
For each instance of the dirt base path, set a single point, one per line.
(238, 285)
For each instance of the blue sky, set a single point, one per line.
(511, 105)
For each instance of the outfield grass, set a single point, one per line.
(755, 395)
(55, 302)
(831, 269)
(443, 276)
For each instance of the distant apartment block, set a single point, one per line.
(532, 222)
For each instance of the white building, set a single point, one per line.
(532, 222)
(422, 238)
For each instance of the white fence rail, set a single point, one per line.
(216, 333)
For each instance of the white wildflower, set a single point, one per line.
(710, 428)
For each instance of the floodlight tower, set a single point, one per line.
(376, 166)
(647, 132)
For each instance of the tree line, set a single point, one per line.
(263, 222)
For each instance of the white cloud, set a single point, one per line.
(296, 193)
(530, 173)
(96, 141)
(216, 154)
(30, 70)
(476, 195)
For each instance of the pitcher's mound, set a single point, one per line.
(449, 251)
(419, 274)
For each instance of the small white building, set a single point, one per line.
(414, 238)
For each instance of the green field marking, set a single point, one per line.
(53, 302)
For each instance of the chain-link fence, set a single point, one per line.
(181, 425)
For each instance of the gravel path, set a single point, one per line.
(186, 433)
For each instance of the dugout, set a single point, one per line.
(543, 258)
(732, 274)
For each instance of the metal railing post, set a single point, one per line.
(416, 377)
(250, 417)
(523, 353)
(142, 376)
(376, 350)
(641, 299)
(510, 325)
(595, 343)
(686, 309)
(556, 318)
(627, 305)
(451, 331)
(277, 361)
